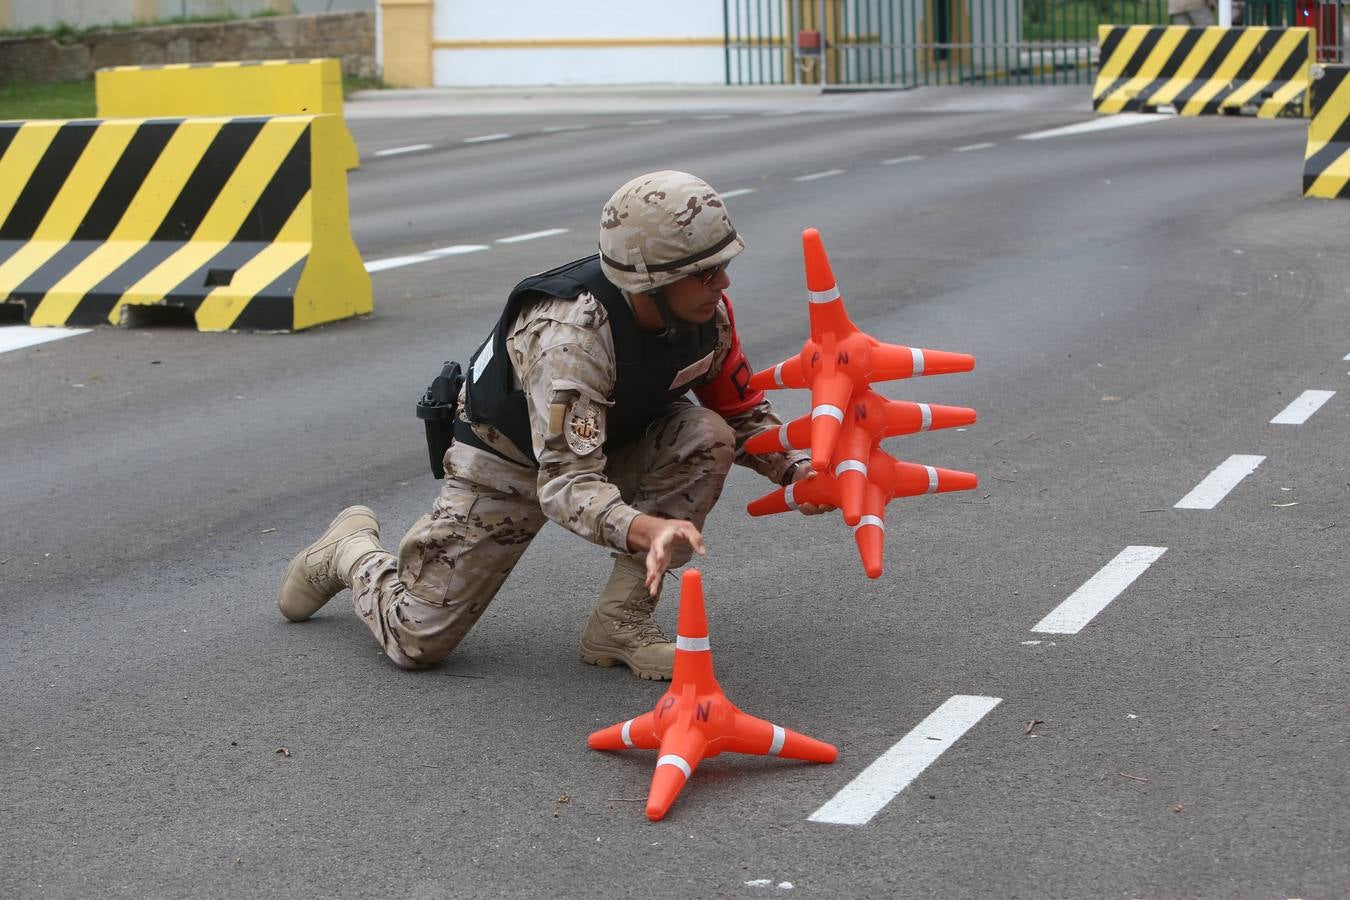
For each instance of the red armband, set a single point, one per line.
(729, 392)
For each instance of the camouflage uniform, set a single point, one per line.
(451, 563)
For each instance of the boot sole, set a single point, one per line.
(315, 599)
(607, 659)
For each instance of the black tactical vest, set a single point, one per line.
(646, 363)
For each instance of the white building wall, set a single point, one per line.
(535, 42)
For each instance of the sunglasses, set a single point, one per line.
(708, 276)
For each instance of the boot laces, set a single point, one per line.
(644, 628)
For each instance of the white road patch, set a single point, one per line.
(1302, 408)
(901, 159)
(484, 138)
(1104, 123)
(533, 235)
(395, 151)
(814, 175)
(865, 796)
(394, 262)
(969, 147)
(739, 192)
(1099, 590)
(16, 337)
(1217, 484)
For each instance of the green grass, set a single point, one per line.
(1077, 20)
(75, 99)
(63, 33)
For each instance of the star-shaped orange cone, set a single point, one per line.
(694, 720)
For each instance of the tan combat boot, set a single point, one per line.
(324, 568)
(621, 629)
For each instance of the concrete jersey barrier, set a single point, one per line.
(278, 87)
(1204, 70)
(1326, 164)
(240, 220)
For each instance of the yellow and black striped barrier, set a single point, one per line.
(1203, 71)
(1326, 164)
(240, 220)
(272, 87)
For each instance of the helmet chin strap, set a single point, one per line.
(675, 326)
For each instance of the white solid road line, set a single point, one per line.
(394, 262)
(1217, 484)
(865, 796)
(16, 337)
(395, 151)
(1121, 120)
(814, 175)
(900, 159)
(484, 138)
(969, 147)
(517, 238)
(1347, 356)
(739, 192)
(1099, 590)
(1302, 408)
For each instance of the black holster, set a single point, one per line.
(437, 408)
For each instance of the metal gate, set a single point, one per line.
(914, 42)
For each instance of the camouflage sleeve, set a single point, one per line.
(563, 354)
(760, 417)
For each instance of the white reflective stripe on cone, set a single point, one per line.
(688, 643)
(932, 479)
(778, 375)
(917, 354)
(850, 465)
(627, 735)
(870, 520)
(788, 495)
(670, 759)
(927, 412)
(779, 738)
(825, 296)
(783, 438)
(826, 409)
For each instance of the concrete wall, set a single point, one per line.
(349, 37)
(534, 42)
(23, 14)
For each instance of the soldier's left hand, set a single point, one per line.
(810, 509)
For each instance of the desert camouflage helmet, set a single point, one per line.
(662, 226)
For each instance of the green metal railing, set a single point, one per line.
(913, 42)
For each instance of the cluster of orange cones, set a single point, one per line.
(694, 720)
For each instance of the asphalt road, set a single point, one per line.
(1142, 302)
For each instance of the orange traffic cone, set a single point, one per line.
(694, 720)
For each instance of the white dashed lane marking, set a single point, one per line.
(814, 175)
(533, 235)
(1120, 120)
(865, 796)
(969, 147)
(1099, 590)
(739, 192)
(1302, 408)
(901, 159)
(16, 337)
(396, 151)
(484, 138)
(554, 129)
(1217, 484)
(394, 262)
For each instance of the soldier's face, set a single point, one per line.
(694, 298)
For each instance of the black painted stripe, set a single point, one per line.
(44, 277)
(1322, 160)
(47, 179)
(283, 193)
(203, 186)
(1208, 67)
(272, 308)
(93, 309)
(1136, 64)
(7, 135)
(1324, 87)
(192, 290)
(1113, 39)
(1132, 67)
(125, 179)
(1294, 64)
(1183, 49)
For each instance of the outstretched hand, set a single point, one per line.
(659, 537)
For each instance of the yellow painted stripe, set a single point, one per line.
(1225, 73)
(250, 177)
(1265, 73)
(1114, 66)
(224, 304)
(1189, 69)
(156, 195)
(167, 275)
(1333, 179)
(1153, 64)
(575, 43)
(21, 158)
(1329, 118)
(1272, 108)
